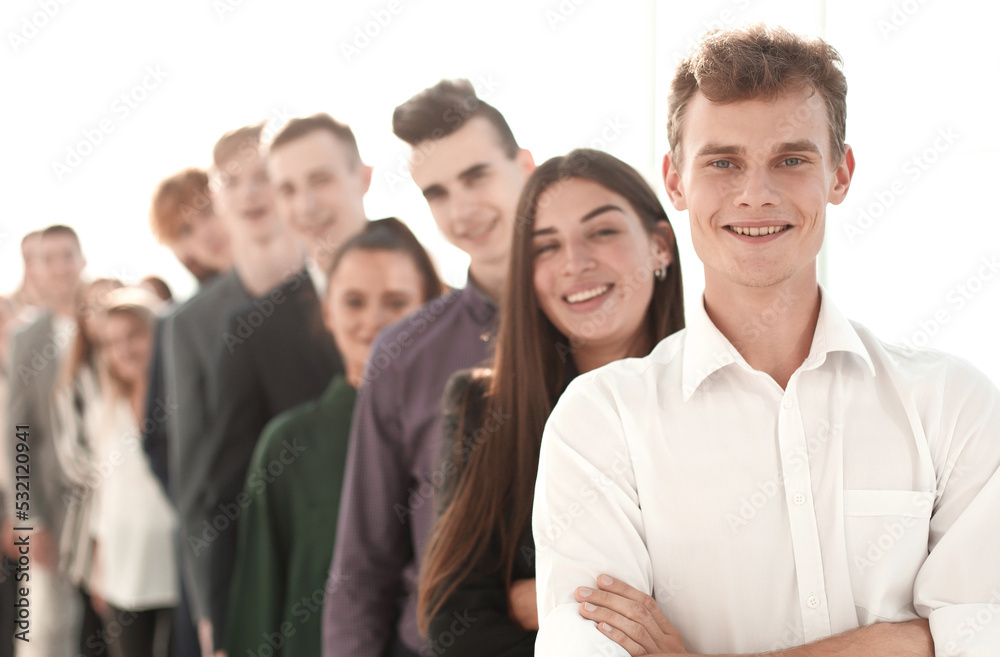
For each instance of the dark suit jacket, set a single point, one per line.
(188, 337)
(35, 361)
(154, 426)
(275, 354)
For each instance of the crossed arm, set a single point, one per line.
(633, 620)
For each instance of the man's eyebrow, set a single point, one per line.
(473, 170)
(803, 145)
(433, 190)
(714, 148)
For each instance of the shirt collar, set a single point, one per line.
(480, 306)
(318, 277)
(707, 350)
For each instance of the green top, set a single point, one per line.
(287, 528)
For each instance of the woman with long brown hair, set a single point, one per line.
(594, 277)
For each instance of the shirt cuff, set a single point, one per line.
(565, 632)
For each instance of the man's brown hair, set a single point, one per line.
(440, 110)
(758, 62)
(243, 141)
(176, 201)
(300, 127)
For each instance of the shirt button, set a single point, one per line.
(813, 601)
(799, 500)
(788, 403)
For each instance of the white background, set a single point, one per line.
(565, 73)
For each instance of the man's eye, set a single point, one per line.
(791, 161)
(722, 164)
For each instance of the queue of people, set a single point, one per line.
(326, 451)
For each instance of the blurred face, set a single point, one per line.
(128, 345)
(31, 252)
(95, 301)
(62, 263)
(594, 264)
(368, 291)
(472, 188)
(756, 180)
(245, 197)
(320, 189)
(203, 242)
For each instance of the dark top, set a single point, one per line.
(479, 604)
(286, 533)
(274, 354)
(387, 509)
(188, 339)
(154, 426)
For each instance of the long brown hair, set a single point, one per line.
(493, 498)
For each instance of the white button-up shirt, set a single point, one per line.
(760, 518)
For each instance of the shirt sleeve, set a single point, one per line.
(373, 536)
(586, 518)
(958, 586)
(257, 598)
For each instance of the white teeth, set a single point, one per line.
(755, 231)
(579, 297)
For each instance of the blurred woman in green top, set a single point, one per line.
(287, 530)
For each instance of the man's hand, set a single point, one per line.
(205, 637)
(523, 604)
(629, 617)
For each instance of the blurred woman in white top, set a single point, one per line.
(135, 570)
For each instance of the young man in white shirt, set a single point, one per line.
(774, 477)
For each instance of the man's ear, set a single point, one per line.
(672, 183)
(366, 178)
(842, 177)
(525, 162)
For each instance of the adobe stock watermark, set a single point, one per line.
(899, 15)
(305, 608)
(223, 8)
(122, 107)
(725, 18)
(486, 87)
(913, 169)
(957, 298)
(893, 532)
(257, 481)
(750, 504)
(558, 14)
(419, 496)
(34, 22)
(365, 34)
(460, 624)
(973, 624)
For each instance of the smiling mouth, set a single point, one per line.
(587, 295)
(757, 231)
(479, 232)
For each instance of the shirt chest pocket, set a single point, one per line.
(886, 534)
